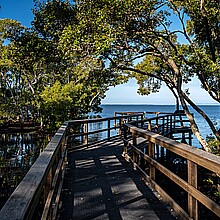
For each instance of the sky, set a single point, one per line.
(122, 94)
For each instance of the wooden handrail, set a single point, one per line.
(193, 156)
(105, 128)
(43, 177)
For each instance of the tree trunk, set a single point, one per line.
(193, 125)
(208, 120)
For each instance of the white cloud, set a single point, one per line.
(127, 94)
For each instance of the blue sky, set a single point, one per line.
(21, 10)
(17, 9)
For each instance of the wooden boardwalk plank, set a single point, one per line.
(99, 184)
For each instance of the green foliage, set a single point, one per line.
(148, 67)
(9, 29)
(38, 79)
(144, 28)
(51, 17)
(211, 188)
(142, 31)
(98, 30)
(214, 144)
(55, 105)
(86, 45)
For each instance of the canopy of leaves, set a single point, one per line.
(38, 79)
(142, 31)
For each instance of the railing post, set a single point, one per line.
(149, 125)
(135, 156)
(120, 127)
(86, 140)
(115, 119)
(171, 123)
(109, 131)
(151, 154)
(134, 139)
(125, 141)
(167, 123)
(174, 125)
(47, 188)
(48, 184)
(157, 125)
(142, 120)
(192, 180)
(190, 138)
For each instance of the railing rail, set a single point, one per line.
(195, 157)
(108, 124)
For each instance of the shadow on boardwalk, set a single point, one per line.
(99, 184)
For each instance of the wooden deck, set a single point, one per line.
(100, 184)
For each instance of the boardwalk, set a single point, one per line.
(99, 184)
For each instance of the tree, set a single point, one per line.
(142, 29)
(9, 88)
(87, 79)
(45, 82)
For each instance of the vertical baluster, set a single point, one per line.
(157, 155)
(109, 131)
(190, 138)
(142, 120)
(115, 119)
(149, 125)
(162, 153)
(142, 160)
(171, 122)
(120, 127)
(134, 139)
(86, 140)
(157, 125)
(48, 184)
(192, 180)
(174, 125)
(151, 154)
(125, 141)
(47, 188)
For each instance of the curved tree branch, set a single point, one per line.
(202, 113)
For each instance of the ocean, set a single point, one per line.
(213, 111)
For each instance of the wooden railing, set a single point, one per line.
(41, 187)
(37, 196)
(89, 131)
(37, 190)
(167, 124)
(152, 167)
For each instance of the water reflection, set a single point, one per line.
(97, 136)
(17, 153)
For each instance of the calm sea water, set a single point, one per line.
(213, 111)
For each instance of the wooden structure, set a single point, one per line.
(18, 127)
(100, 184)
(39, 192)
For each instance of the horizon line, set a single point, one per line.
(154, 104)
